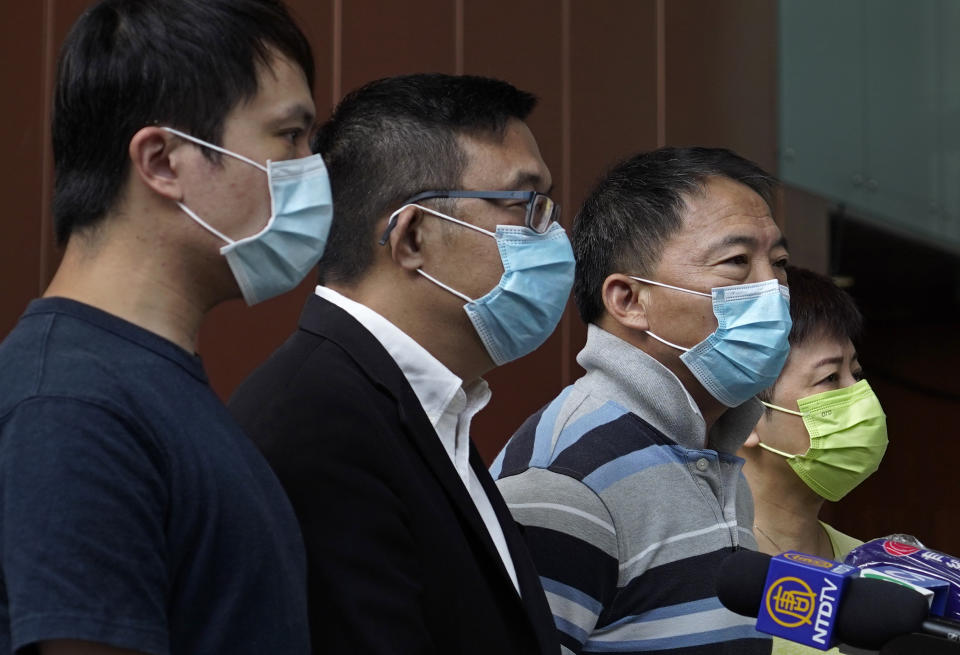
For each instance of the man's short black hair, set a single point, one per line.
(398, 136)
(637, 207)
(127, 64)
(818, 308)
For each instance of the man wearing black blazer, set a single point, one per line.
(444, 261)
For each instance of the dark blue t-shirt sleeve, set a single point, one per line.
(82, 504)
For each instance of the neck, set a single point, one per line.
(710, 408)
(137, 280)
(785, 510)
(410, 305)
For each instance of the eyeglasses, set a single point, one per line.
(542, 211)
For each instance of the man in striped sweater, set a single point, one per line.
(627, 484)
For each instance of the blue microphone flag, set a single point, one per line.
(801, 597)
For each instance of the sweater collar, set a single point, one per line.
(630, 377)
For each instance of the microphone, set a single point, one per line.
(916, 565)
(817, 602)
(919, 644)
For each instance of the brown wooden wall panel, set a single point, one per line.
(721, 76)
(23, 133)
(28, 53)
(390, 38)
(524, 50)
(613, 70)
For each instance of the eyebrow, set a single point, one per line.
(527, 179)
(828, 360)
(744, 240)
(299, 112)
(732, 240)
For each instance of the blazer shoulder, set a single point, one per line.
(311, 386)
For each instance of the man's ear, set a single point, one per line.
(156, 158)
(625, 301)
(406, 239)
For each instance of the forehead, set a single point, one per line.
(817, 348)
(513, 163)
(282, 94)
(723, 210)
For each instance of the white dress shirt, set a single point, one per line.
(449, 404)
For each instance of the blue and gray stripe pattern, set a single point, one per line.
(628, 526)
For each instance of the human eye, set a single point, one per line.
(781, 262)
(857, 374)
(512, 203)
(293, 134)
(831, 379)
(736, 260)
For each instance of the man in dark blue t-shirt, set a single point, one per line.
(135, 516)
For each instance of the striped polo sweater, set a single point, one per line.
(627, 515)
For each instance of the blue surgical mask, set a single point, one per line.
(518, 315)
(749, 347)
(278, 257)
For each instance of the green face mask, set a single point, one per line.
(848, 436)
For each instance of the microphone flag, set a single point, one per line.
(801, 597)
(920, 561)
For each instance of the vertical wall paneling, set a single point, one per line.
(458, 37)
(661, 21)
(45, 224)
(390, 38)
(21, 168)
(721, 72)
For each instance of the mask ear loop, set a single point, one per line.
(193, 215)
(782, 409)
(669, 286)
(203, 143)
(189, 212)
(786, 411)
(662, 340)
(774, 450)
(444, 286)
(392, 223)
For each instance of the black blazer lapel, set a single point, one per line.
(531, 590)
(323, 318)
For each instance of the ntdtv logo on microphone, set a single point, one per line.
(800, 598)
(790, 602)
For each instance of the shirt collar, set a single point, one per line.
(434, 384)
